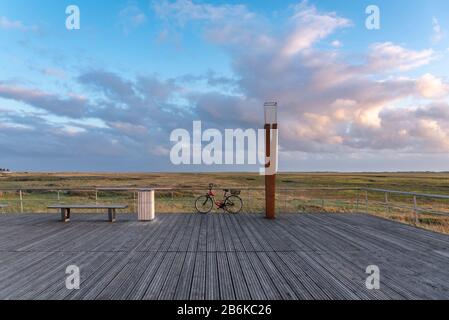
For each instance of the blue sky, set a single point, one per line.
(107, 96)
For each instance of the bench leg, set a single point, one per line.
(111, 214)
(65, 215)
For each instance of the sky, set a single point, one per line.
(106, 97)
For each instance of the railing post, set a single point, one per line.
(59, 197)
(387, 208)
(21, 200)
(415, 210)
(366, 201)
(96, 199)
(357, 201)
(134, 202)
(248, 199)
(285, 201)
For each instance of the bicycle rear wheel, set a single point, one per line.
(233, 204)
(204, 204)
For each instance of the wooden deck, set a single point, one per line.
(189, 256)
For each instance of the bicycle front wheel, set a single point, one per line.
(204, 204)
(233, 204)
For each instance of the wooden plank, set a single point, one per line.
(202, 238)
(160, 233)
(30, 239)
(239, 283)
(224, 277)
(182, 237)
(184, 285)
(276, 275)
(277, 239)
(253, 283)
(22, 273)
(19, 261)
(220, 256)
(164, 242)
(297, 286)
(121, 277)
(95, 285)
(263, 240)
(168, 290)
(211, 236)
(195, 235)
(266, 282)
(39, 278)
(313, 287)
(256, 242)
(231, 242)
(219, 241)
(93, 262)
(135, 277)
(335, 287)
(198, 289)
(154, 289)
(141, 286)
(239, 233)
(54, 279)
(87, 206)
(212, 284)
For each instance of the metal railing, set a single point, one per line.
(430, 211)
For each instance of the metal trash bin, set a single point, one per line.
(145, 205)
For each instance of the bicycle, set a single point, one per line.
(231, 203)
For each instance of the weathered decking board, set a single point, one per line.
(219, 256)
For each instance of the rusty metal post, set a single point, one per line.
(271, 150)
(270, 196)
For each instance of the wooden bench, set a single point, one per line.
(65, 209)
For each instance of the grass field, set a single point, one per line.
(297, 192)
(416, 182)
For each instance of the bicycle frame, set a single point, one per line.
(219, 204)
(228, 203)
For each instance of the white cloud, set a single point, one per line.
(71, 106)
(388, 56)
(54, 72)
(8, 24)
(438, 33)
(225, 24)
(160, 151)
(310, 26)
(430, 86)
(186, 10)
(131, 17)
(328, 104)
(336, 44)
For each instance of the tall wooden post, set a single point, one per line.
(271, 154)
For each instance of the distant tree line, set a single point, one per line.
(4, 170)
